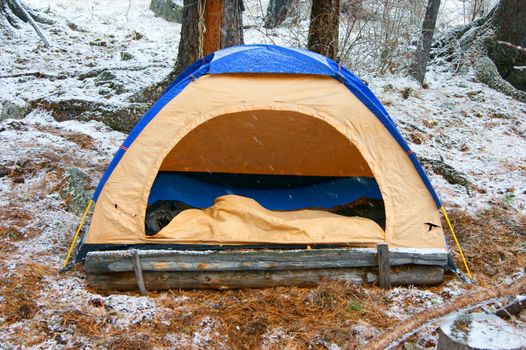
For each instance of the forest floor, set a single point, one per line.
(479, 132)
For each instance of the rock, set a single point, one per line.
(74, 189)
(449, 173)
(104, 77)
(479, 331)
(3, 171)
(117, 117)
(10, 110)
(137, 35)
(168, 10)
(406, 92)
(416, 138)
(98, 42)
(74, 26)
(19, 180)
(126, 56)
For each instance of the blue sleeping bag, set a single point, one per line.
(327, 194)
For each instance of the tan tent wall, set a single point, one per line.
(120, 210)
(267, 142)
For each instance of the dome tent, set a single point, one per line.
(259, 141)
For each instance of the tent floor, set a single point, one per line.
(165, 269)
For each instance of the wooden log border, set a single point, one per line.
(255, 260)
(400, 275)
(115, 270)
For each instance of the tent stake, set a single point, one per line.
(138, 272)
(79, 227)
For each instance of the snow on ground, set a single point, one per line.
(88, 36)
(476, 130)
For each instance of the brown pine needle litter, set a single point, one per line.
(275, 318)
(325, 313)
(384, 340)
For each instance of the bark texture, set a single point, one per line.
(323, 29)
(510, 31)
(189, 44)
(213, 16)
(278, 11)
(232, 26)
(493, 47)
(223, 27)
(419, 65)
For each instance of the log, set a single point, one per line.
(478, 331)
(256, 260)
(384, 267)
(513, 308)
(414, 275)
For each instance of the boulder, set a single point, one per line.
(10, 110)
(75, 190)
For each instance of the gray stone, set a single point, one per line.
(104, 77)
(449, 173)
(3, 171)
(10, 110)
(74, 190)
(168, 10)
(126, 56)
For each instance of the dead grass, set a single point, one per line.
(298, 318)
(309, 316)
(494, 242)
(82, 140)
(15, 223)
(21, 291)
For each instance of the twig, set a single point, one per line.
(511, 45)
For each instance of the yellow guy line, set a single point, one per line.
(77, 233)
(456, 241)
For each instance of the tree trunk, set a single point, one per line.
(419, 65)
(493, 46)
(323, 29)
(213, 16)
(14, 12)
(232, 26)
(510, 22)
(278, 11)
(189, 44)
(223, 26)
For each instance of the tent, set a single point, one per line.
(260, 143)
